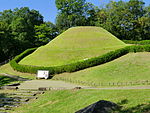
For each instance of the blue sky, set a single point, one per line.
(46, 7)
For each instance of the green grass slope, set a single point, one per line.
(75, 44)
(9, 70)
(128, 68)
(4, 80)
(70, 101)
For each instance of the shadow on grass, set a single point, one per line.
(6, 80)
(2, 95)
(142, 108)
(7, 103)
(50, 77)
(2, 103)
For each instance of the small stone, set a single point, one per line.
(77, 88)
(43, 89)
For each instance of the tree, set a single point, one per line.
(102, 16)
(144, 24)
(45, 33)
(123, 19)
(17, 30)
(23, 24)
(72, 13)
(7, 46)
(6, 16)
(3, 31)
(92, 12)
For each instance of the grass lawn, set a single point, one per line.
(6, 80)
(69, 101)
(8, 70)
(130, 67)
(75, 44)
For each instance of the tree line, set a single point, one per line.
(24, 28)
(126, 20)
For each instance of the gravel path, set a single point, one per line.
(35, 84)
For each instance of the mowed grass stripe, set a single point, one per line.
(75, 44)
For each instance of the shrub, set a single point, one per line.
(143, 42)
(79, 65)
(14, 63)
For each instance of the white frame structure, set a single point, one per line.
(42, 74)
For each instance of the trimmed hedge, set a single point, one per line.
(14, 63)
(142, 42)
(79, 65)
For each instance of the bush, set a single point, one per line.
(143, 42)
(14, 63)
(79, 65)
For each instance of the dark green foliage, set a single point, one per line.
(21, 29)
(17, 30)
(126, 20)
(143, 42)
(139, 48)
(74, 13)
(5, 44)
(5, 80)
(45, 33)
(78, 65)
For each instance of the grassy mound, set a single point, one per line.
(128, 68)
(75, 44)
(70, 101)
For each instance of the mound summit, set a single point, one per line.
(76, 43)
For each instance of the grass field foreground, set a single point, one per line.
(69, 101)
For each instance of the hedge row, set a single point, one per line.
(143, 42)
(78, 65)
